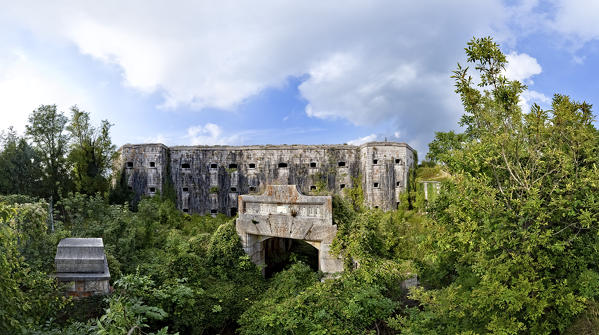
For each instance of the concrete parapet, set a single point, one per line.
(82, 267)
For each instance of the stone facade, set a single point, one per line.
(285, 213)
(208, 179)
(81, 266)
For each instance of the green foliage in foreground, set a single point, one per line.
(186, 258)
(28, 297)
(190, 274)
(518, 241)
(363, 298)
(297, 302)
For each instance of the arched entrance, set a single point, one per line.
(283, 214)
(279, 253)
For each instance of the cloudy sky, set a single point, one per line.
(276, 72)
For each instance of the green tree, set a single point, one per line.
(91, 153)
(46, 129)
(443, 144)
(20, 171)
(28, 297)
(119, 192)
(408, 200)
(11, 297)
(517, 243)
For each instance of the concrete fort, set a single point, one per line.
(208, 179)
(283, 213)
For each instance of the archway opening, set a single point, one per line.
(279, 253)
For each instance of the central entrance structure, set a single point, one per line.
(281, 211)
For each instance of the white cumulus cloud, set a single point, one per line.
(209, 134)
(576, 19)
(369, 62)
(521, 67)
(25, 84)
(362, 140)
(528, 97)
(375, 138)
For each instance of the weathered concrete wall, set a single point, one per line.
(283, 212)
(385, 169)
(217, 175)
(208, 179)
(145, 166)
(86, 288)
(80, 255)
(81, 266)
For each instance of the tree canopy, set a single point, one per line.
(46, 129)
(518, 247)
(91, 153)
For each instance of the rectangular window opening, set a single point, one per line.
(342, 186)
(341, 164)
(129, 165)
(152, 189)
(282, 165)
(252, 166)
(312, 188)
(213, 211)
(375, 161)
(213, 166)
(233, 211)
(152, 164)
(397, 184)
(233, 189)
(397, 161)
(185, 189)
(186, 210)
(252, 189)
(313, 164)
(232, 166)
(376, 185)
(185, 166)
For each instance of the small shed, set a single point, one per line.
(82, 266)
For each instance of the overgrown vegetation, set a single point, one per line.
(516, 250)
(190, 274)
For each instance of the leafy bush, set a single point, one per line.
(28, 297)
(297, 302)
(518, 225)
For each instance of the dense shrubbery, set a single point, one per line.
(517, 245)
(28, 296)
(190, 274)
(192, 268)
